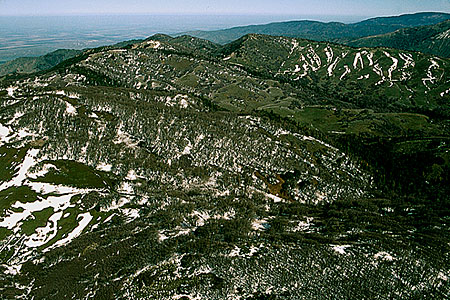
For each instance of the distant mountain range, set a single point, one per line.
(353, 34)
(432, 39)
(426, 32)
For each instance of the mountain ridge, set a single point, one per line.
(322, 31)
(431, 39)
(337, 32)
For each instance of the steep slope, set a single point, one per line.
(319, 31)
(178, 169)
(36, 64)
(434, 39)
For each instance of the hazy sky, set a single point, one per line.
(282, 7)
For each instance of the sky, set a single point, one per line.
(224, 7)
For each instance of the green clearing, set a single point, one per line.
(40, 219)
(10, 158)
(13, 194)
(75, 174)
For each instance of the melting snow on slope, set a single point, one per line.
(409, 61)
(295, 44)
(125, 188)
(358, 59)
(58, 203)
(379, 71)
(16, 117)
(370, 58)
(131, 175)
(303, 225)
(28, 162)
(84, 222)
(274, 198)
(394, 65)
(69, 95)
(333, 66)
(430, 78)
(329, 53)
(347, 71)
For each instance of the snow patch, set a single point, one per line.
(384, 256)
(394, 65)
(153, 44)
(303, 225)
(187, 149)
(431, 78)
(131, 175)
(70, 109)
(358, 58)
(364, 77)
(442, 95)
(58, 203)
(340, 248)
(4, 132)
(274, 198)
(329, 53)
(12, 270)
(126, 188)
(442, 276)
(27, 163)
(104, 167)
(11, 90)
(258, 224)
(347, 71)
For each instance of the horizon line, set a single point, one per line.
(207, 14)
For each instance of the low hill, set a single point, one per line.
(36, 64)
